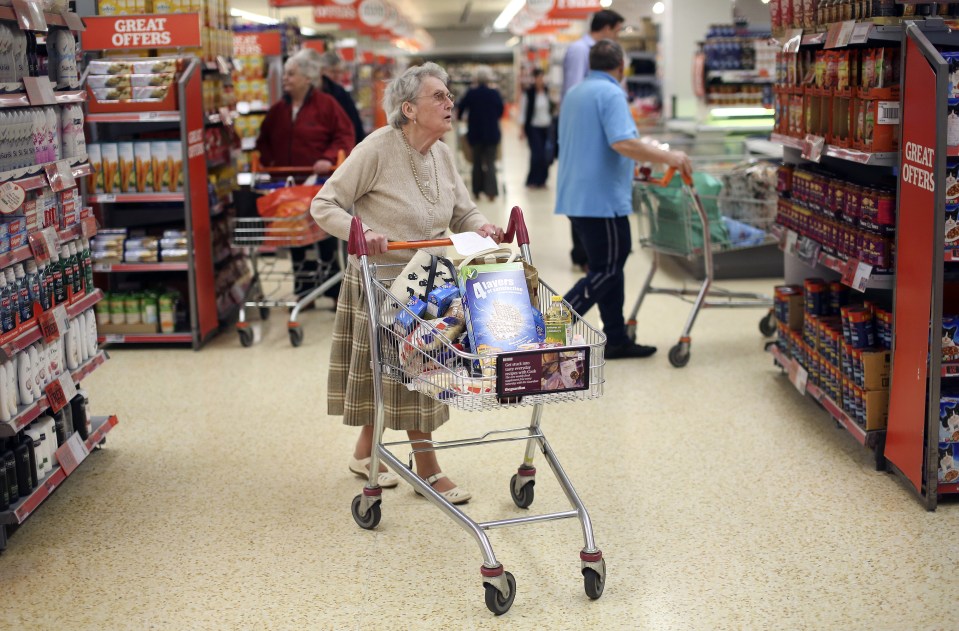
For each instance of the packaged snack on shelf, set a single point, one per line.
(127, 176)
(950, 338)
(152, 80)
(108, 81)
(107, 66)
(175, 165)
(141, 256)
(948, 458)
(143, 167)
(150, 93)
(174, 255)
(158, 164)
(113, 94)
(95, 179)
(155, 65)
(111, 167)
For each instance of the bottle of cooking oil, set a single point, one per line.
(559, 321)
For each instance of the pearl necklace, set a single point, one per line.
(424, 191)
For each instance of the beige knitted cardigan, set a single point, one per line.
(377, 181)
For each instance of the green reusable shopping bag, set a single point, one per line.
(674, 223)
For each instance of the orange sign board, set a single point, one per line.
(133, 32)
(574, 9)
(318, 45)
(267, 43)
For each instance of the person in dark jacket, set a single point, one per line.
(306, 128)
(538, 114)
(332, 67)
(483, 107)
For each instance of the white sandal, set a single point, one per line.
(386, 479)
(455, 495)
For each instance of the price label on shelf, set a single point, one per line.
(225, 116)
(105, 198)
(860, 33)
(849, 272)
(812, 147)
(73, 21)
(243, 107)
(51, 238)
(61, 317)
(149, 116)
(60, 175)
(30, 15)
(840, 34)
(223, 65)
(49, 327)
(11, 197)
(39, 91)
(792, 39)
(888, 113)
(798, 376)
(808, 251)
(60, 392)
(861, 277)
(72, 453)
(39, 248)
(790, 237)
(88, 227)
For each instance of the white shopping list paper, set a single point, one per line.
(469, 243)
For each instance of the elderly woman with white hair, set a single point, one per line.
(306, 128)
(404, 186)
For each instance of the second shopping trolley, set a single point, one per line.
(476, 383)
(267, 240)
(683, 221)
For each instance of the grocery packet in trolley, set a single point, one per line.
(499, 317)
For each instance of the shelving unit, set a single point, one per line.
(15, 344)
(192, 204)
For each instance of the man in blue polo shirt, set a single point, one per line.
(600, 144)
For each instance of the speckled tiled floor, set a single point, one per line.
(721, 499)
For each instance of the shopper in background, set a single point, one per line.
(483, 107)
(404, 186)
(600, 143)
(332, 69)
(306, 128)
(604, 24)
(538, 111)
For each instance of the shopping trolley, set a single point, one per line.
(689, 232)
(442, 374)
(272, 236)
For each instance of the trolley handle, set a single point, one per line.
(357, 242)
(259, 168)
(668, 177)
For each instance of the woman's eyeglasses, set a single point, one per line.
(439, 96)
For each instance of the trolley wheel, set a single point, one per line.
(593, 583)
(631, 331)
(264, 313)
(767, 326)
(524, 498)
(371, 519)
(494, 599)
(296, 336)
(679, 355)
(246, 337)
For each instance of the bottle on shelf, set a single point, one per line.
(559, 321)
(8, 320)
(23, 292)
(9, 462)
(59, 288)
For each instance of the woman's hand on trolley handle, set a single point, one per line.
(376, 243)
(322, 167)
(489, 230)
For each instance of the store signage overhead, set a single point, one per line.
(574, 9)
(267, 44)
(132, 32)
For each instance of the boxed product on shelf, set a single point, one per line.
(949, 418)
(948, 459)
(140, 166)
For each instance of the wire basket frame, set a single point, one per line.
(435, 367)
(276, 232)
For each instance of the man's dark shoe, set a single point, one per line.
(630, 349)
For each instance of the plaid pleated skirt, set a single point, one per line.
(350, 391)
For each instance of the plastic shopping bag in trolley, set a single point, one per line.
(675, 224)
(290, 203)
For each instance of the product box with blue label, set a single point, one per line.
(498, 313)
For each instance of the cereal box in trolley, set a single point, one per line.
(498, 313)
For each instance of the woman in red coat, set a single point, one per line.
(306, 128)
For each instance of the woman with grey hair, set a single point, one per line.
(404, 186)
(306, 128)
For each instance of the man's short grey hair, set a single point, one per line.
(606, 55)
(330, 59)
(484, 75)
(406, 87)
(308, 62)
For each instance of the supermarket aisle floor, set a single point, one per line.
(720, 498)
